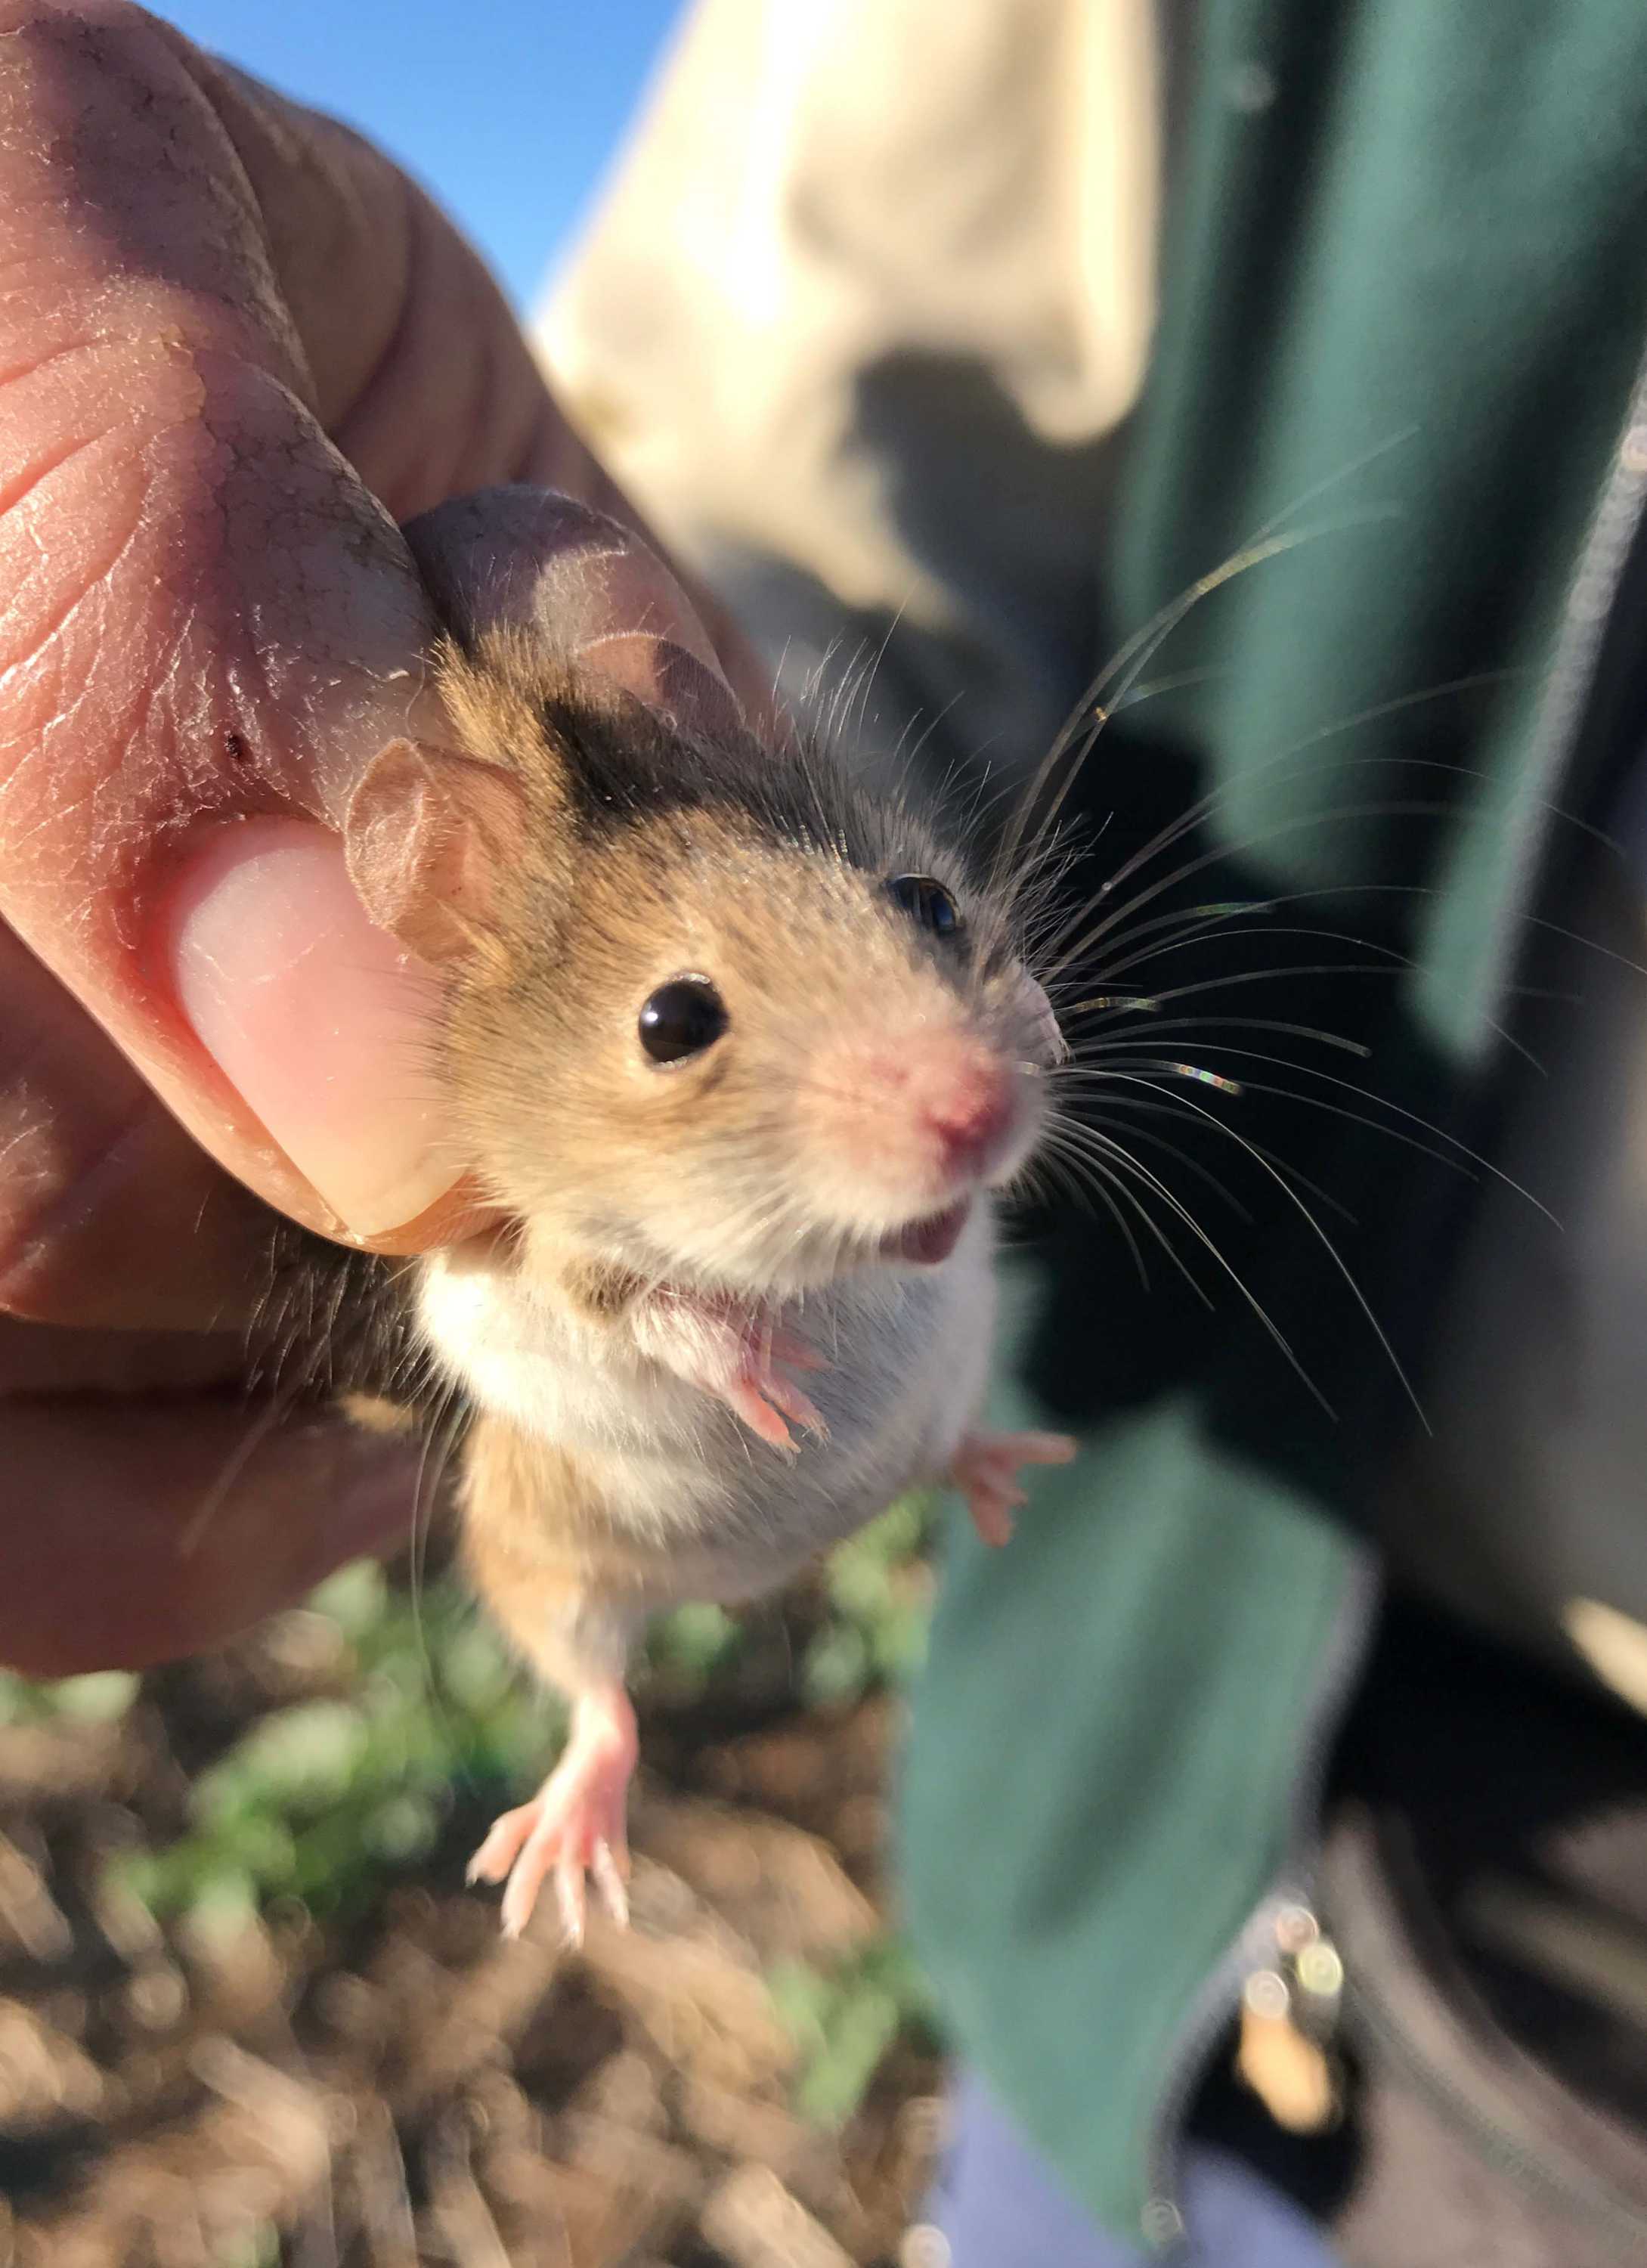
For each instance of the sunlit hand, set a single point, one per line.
(237, 347)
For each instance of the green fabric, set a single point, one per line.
(1430, 246)
(1067, 1694)
(1431, 236)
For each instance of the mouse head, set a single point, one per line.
(756, 1063)
(716, 1013)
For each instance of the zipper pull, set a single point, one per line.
(1287, 2023)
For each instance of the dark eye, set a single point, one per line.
(926, 902)
(681, 1018)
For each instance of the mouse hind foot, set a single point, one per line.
(985, 1469)
(575, 1827)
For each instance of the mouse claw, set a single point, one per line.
(571, 1893)
(568, 1898)
(770, 1405)
(789, 1402)
(497, 1854)
(607, 1877)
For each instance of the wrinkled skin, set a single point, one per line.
(237, 347)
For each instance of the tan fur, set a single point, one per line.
(581, 852)
(373, 1413)
(707, 1174)
(535, 1551)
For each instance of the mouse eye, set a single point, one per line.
(927, 902)
(681, 1018)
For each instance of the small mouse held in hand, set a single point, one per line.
(740, 1049)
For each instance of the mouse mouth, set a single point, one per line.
(931, 1240)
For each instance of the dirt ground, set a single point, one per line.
(397, 2086)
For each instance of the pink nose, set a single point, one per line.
(970, 1114)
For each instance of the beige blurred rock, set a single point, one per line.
(756, 2222)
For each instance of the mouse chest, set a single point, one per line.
(670, 1464)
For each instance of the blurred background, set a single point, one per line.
(508, 111)
(249, 2013)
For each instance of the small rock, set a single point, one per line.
(755, 2221)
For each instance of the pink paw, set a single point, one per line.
(986, 1468)
(731, 1350)
(575, 1826)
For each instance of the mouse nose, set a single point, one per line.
(970, 1114)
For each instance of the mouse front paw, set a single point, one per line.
(737, 1352)
(986, 1468)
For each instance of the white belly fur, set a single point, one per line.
(907, 1358)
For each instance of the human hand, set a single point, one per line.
(238, 347)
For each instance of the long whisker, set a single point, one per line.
(1215, 856)
(1205, 805)
(1535, 921)
(1175, 1149)
(1327, 1245)
(1170, 1109)
(1372, 456)
(1319, 1102)
(1396, 964)
(1110, 1160)
(1085, 724)
(1181, 1211)
(1164, 946)
(1102, 1185)
(1080, 733)
(1219, 1024)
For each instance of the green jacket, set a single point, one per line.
(1395, 228)
(869, 322)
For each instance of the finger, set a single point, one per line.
(208, 613)
(419, 421)
(110, 1214)
(105, 1562)
(209, 618)
(533, 560)
(39, 1359)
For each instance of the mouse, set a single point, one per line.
(742, 1050)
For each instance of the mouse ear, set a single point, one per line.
(430, 838)
(1049, 1048)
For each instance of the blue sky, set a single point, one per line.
(508, 109)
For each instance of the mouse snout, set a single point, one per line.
(968, 1109)
(918, 1116)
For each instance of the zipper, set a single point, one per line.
(1545, 2169)
(1162, 2219)
(1588, 612)
(1280, 1928)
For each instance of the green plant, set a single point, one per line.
(322, 1801)
(879, 1595)
(844, 2019)
(95, 1699)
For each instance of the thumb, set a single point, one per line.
(211, 628)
